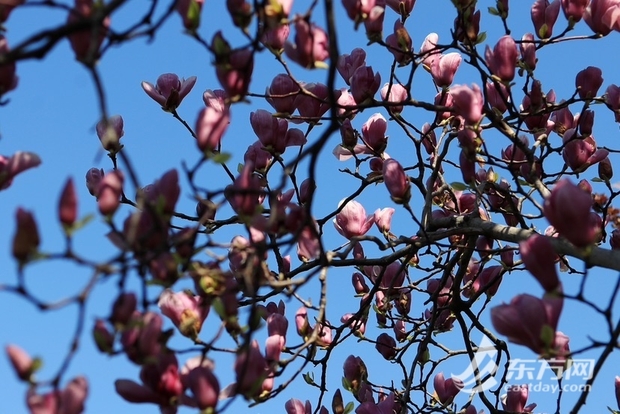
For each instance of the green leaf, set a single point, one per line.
(493, 11)
(597, 180)
(220, 157)
(346, 384)
(349, 407)
(459, 186)
(309, 378)
(481, 38)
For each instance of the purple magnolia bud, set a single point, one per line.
(612, 100)
(169, 90)
(544, 16)
(395, 93)
(294, 406)
(446, 389)
(588, 82)
(189, 10)
(355, 372)
(539, 258)
(400, 330)
(123, 308)
(109, 192)
(602, 16)
(281, 94)
(83, 43)
(444, 67)
(110, 132)
(400, 44)
(429, 139)
(72, 398)
(308, 245)
(93, 179)
(311, 47)
(403, 7)
(211, 125)
(396, 181)
(67, 205)
(502, 60)
(386, 345)
(467, 165)
(251, 369)
(348, 64)
(22, 362)
(528, 51)
(605, 170)
(103, 337)
(507, 257)
(26, 239)
(574, 9)
(186, 311)
(364, 84)
(204, 386)
(306, 190)
(359, 283)
(468, 102)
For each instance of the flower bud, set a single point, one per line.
(22, 362)
(386, 345)
(110, 132)
(109, 192)
(26, 239)
(396, 181)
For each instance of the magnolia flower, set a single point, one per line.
(186, 311)
(352, 221)
(169, 90)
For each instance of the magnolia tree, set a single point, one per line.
(494, 178)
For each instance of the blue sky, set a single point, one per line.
(53, 113)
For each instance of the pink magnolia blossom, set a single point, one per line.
(204, 386)
(383, 219)
(539, 258)
(211, 126)
(603, 16)
(352, 221)
(446, 389)
(251, 370)
(612, 100)
(275, 37)
(529, 321)
(8, 79)
(581, 152)
(140, 339)
(400, 44)
(348, 64)
(373, 133)
(394, 93)
(429, 50)
(281, 93)
(364, 84)
(169, 90)
(574, 9)
(544, 16)
(273, 132)
(234, 67)
(311, 47)
(502, 60)
(20, 360)
(373, 23)
(67, 401)
(186, 311)
(568, 211)
(444, 67)
(244, 194)
(528, 51)
(468, 102)
(258, 156)
(497, 98)
(16, 164)
(313, 107)
(515, 399)
(308, 244)
(82, 40)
